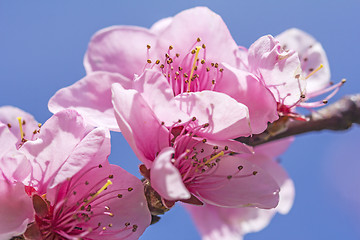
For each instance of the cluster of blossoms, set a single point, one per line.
(180, 93)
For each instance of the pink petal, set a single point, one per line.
(9, 115)
(165, 177)
(287, 189)
(199, 22)
(246, 89)
(91, 97)
(249, 186)
(64, 145)
(277, 68)
(311, 54)
(156, 91)
(7, 139)
(138, 124)
(120, 49)
(276, 148)
(15, 166)
(16, 209)
(216, 223)
(227, 117)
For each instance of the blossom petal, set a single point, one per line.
(9, 115)
(156, 91)
(91, 97)
(216, 223)
(246, 89)
(199, 22)
(227, 118)
(64, 143)
(7, 139)
(138, 123)
(249, 185)
(279, 69)
(16, 209)
(120, 49)
(311, 54)
(15, 166)
(166, 179)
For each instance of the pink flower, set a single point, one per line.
(293, 66)
(60, 178)
(232, 223)
(191, 59)
(184, 166)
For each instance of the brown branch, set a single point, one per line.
(337, 116)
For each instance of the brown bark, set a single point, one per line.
(337, 116)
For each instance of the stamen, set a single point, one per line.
(193, 66)
(21, 128)
(109, 182)
(314, 71)
(212, 158)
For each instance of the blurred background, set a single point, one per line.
(42, 44)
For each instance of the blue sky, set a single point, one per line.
(42, 46)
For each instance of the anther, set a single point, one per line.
(119, 195)
(148, 46)
(167, 55)
(216, 65)
(127, 224)
(193, 51)
(9, 125)
(325, 101)
(208, 69)
(343, 80)
(198, 39)
(193, 119)
(157, 61)
(229, 177)
(149, 61)
(204, 140)
(240, 168)
(221, 70)
(162, 66)
(130, 189)
(86, 183)
(111, 176)
(206, 125)
(170, 47)
(202, 61)
(203, 46)
(100, 166)
(180, 68)
(254, 173)
(302, 96)
(39, 125)
(177, 55)
(297, 76)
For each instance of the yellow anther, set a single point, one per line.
(21, 128)
(193, 66)
(314, 71)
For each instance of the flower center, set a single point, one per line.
(82, 206)
(189, 73)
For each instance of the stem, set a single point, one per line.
(337, 116)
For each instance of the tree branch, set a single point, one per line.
(337, 116)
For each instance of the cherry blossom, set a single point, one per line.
(63, 184)
(181, 165)
(232, 223)
(192, 60)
